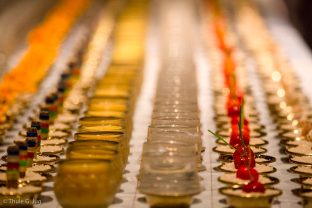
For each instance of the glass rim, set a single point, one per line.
(101, 133)
(80, 161)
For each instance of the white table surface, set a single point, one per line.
(300, 57)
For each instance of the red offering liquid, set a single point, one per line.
(242, 159)
(254, 186)
(235, 139)
(246, 173)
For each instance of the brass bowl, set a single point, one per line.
(169, 201)
(227, 167)
(306, 195)
(302, 170)
(253, 134)
(237, 198)
(41, 159)
(225, 119)
(252, 126)
(299, 150)
(226, 150)
(260, 159)
(305, 182)
(256, 142)
(301, 160)
(37, 168)
(235, 182)
(25, 196)
(31, 178)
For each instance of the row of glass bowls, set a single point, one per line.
(171, 156)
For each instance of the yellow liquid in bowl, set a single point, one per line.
(90, 121)
(85, 183)
(108, 107)
(108, 113)
(98, 128)
(102, 136)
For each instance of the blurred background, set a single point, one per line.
(300, 12)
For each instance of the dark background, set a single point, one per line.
(301, 15)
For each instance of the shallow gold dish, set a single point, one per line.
(252, 126)
(25, 196)
(301, 160)
(305, 182)
(294, 143)
(261, 168)
(248, 112)
(53, 142)
(226, 150)
(290, 135)
(169, 201)
(302, 170)
(41, 159)
(51, 150)
(253, 134)
(225, 119)
(257, 142)
(306, 195)
(231, 180)
(37, 168)
(238, 198)
(302, 150)
(31, 178)
(260, 159)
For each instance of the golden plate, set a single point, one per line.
(41, 159)
(299, 150)
(35, 168)
(255, 200)
(257, 142)
(26, 196)
(31, 178)
(265, 180)
(260, 159)
(253, 134)
(252, 126)
(302, 170)
(305, 182)
(226, 150)
(261, 168)
(301, 160)
(225, 119)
